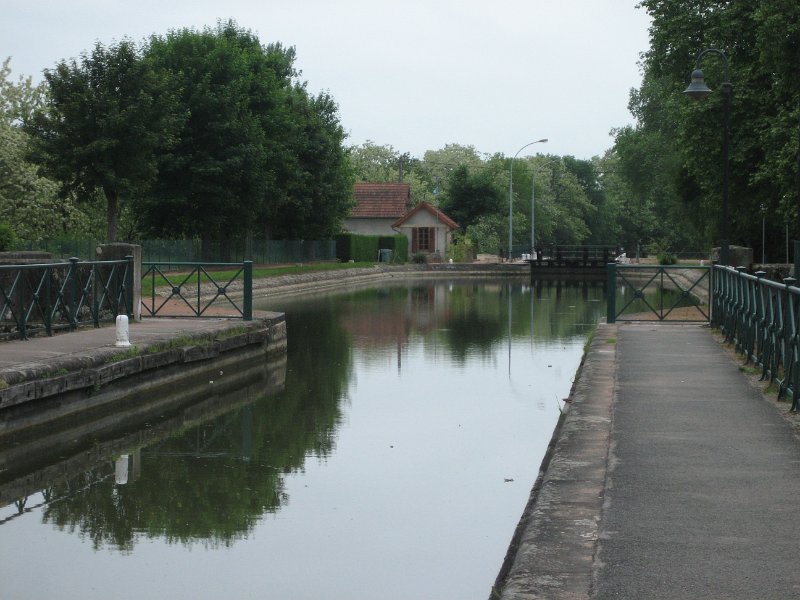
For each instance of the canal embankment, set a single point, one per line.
(87, 360)
(321, 281)
(671, 475)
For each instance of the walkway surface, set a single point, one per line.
(88, 357)
(87, 339)
(695, 495)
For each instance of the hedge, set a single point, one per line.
(365, 248)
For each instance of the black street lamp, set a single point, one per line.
(698, 89)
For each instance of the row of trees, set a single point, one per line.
(660, 185)
(575, 202)
(195, 133)
(211, 134)
(671, 160)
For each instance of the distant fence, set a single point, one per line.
(194, 250)
(658, 293)
(45, 298)
(197, 289)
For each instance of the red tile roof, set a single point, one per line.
(440, 216)
(381, 200)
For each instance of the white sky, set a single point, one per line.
(416, 75)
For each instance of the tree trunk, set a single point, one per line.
(112, 213)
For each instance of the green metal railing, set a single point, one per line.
(762, 319)
(204, 289)
(656, 292)
(48, 297)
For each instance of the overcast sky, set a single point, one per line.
(416, 75)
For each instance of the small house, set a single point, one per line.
(429, 230)
(378, 206)
(385, 209)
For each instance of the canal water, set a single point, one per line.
(393, 461)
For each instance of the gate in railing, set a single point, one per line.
(47, 297)
(658, 293)
(197, 289)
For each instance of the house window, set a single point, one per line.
(423, 239)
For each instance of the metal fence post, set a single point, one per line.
(128, 283)
(95, 299)
(611, 293)
(248, 291)
(73, 292)
(48, 315)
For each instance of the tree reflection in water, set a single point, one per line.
(211, 482)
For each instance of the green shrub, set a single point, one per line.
(398, 244)
(7, 237)
(358, 248)
(462, 249)
(364, 248)
(419, 258)
(667, 258)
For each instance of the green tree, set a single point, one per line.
(472, 194)
(321, 194)
(28, 201)
(375, 163)
(678, 143)
(258, 153)
(108, 115)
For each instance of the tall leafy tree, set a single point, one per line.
(472, 194)
(376, 163)
(108, 114)
(258, 154)
(28, 201)
(682, 140)
(320, 196)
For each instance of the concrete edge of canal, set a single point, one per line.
(88, 360)
(320, 281)
(552, 551)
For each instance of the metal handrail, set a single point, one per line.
(47, 297)
(761, 318)
(206, 289)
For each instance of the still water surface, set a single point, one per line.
(394, 464)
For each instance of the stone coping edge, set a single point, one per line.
(100, 366)
(551, 554)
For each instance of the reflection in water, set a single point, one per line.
(400, 447)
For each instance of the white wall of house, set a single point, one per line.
(425, 219)
(369, 226)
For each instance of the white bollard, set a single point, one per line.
(122, 332)
(121, 470)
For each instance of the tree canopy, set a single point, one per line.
(205, 133)
(28, 202)
(258, 153)
(108, 116)
(672, 157)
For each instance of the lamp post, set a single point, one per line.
(511, 194)
(698, 89)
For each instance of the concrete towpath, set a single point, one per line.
(87, 359)
(87, 339)
(672, 476)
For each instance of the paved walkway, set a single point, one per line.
(41, 356)
(698, 492)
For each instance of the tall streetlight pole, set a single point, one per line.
(511, 194)
(698, 89)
